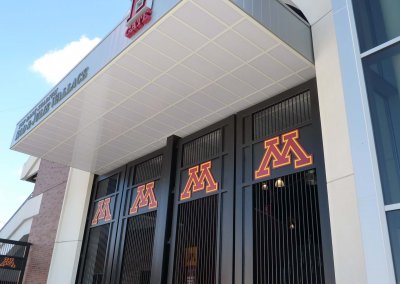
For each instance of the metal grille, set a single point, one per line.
(93, 272)
(148, 170)
(13, 257)
(286, 230)
(202, 148)
(196, 242)
(9, 276)
(281, 116)
(138, 249)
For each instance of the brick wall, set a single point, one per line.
(51, 182)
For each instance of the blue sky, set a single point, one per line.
(36, 38)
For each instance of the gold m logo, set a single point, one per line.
(280, 158)
(145, 198)
(8, 262)
(197, 183)
(103, 211)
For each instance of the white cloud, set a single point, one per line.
(55, 64)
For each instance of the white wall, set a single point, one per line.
(30, 168)
(359, 232)
(67, 247)
(345, 220)
(20, 223)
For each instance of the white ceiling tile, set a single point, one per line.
(123, 115)
(161, 93)
(235, 86)
(152, 101)
(213, 118)
(141, 136)
(138, 107)
(240, 105)
(189, 37)
(270, 67)
(204, 67)
(97, 100)
(307, 73)
(117, 86)
(239, 46)
(192, 108)
(223, 95)
(206, 101)
(98, 92)
(181, 114)
(174, 85)
(109, 127)
(66, 124)
(151, 56)
(170, 120)
(292, 81)
(127, 76)
(265, 94)
(225, 112)
(163, 128)
(192, 128)
(220, 57)
(189, 77)
(112, 151)
(166, 45)
(138, 67)
(254, 34)
(57, 134)
(294, 61)
(252, 77)
(148, 131)
(199, 20)
(219, 9)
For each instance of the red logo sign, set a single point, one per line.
(140, 15)
(281, 158)
(197, 183)
(145, 198)
(103, 211)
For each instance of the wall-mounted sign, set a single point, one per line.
(140, 15)
(277, 156)
(198, 177)
(103, 211)
(144, 198)
(48, 104)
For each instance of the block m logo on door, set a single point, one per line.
(275, 157)
(200, 178)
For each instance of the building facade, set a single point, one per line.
(243, 141)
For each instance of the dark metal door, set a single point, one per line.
(282, 218)
(129, 221)
(202, 236)
(101, 228)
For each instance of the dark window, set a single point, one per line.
(282, 116)
(202, 148)
(286, 230)
(196, 241)
(377, 21)
(148, 170)
(93, 272)
(382, 76)
(107, 186)
(138, 250)
(393, 219)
